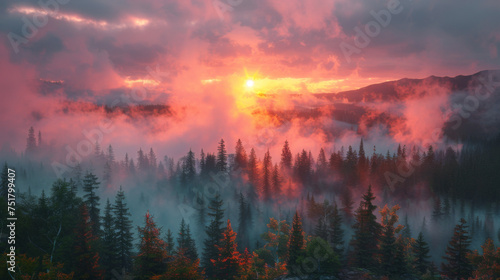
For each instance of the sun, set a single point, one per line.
(249, 83)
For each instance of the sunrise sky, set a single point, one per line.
(215, 62)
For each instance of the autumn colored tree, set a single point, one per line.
(85, 254)
(389, 263)
(276, 239)
(152, 250)
(458, 265)
(181, 267)
(488, 264)
(227, 264)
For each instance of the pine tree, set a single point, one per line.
(295, 246)
(336, 232)
(436, 213)
(366, 233)
(170, 243)
(123, 232)
(266, 176)
(214, 234)
(421, 252)
(152, 250)
(152, 159)
(243, 225)
(90, 185)
(30, 142)
(321, 229)
(286, 157)
(253, 176)
(276, 182)
(227, 262)
(240, 158)
(185, 243)
(109, 254)
(87, 258)
(458, 266)
(40, 143)
(189, 168)
(389, 261)
(221, 157)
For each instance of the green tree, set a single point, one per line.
(336, 232)
(185, 243)
(123, 232)
(421, 252)
(322, 260)
(458, 266)
(90, 185)
(109, 251)
(221, 157)
(295, 246)
(214, 234)
(366, 234)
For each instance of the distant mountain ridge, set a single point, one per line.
(392, 90)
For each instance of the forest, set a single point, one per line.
(412, 213)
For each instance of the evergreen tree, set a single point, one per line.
(227, 262)
(31, 142)
(240, 158)
(185, 243)
(109, 254)
(189, 168)
(90, 185)
(152, 250)
(276, 182)
(87, 258)
(366, 234)
(336, 232)
(458, 266)
(295, 246)
(123, 232)
(243, 225)
(40, 143)
(170, 243)
(153, 160)
(221, 157)
(214, 234)
(390, 264)
(437, 212)
(286, 157)
(266, 176)
(421, 252)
